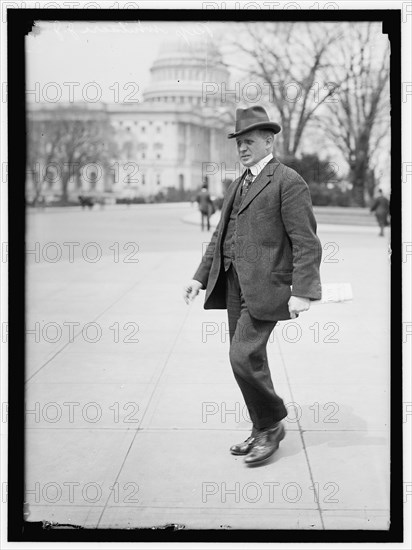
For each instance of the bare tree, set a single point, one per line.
(359, 121)
(85, 142)
(69, 145)
(43, 140)
(289, 60)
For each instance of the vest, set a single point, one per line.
(228, 247)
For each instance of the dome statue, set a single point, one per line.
(200, 47)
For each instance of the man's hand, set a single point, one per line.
(191, 290)
(297, 305)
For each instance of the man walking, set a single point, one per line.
(262, 265)
(206, 207)
(381, 208)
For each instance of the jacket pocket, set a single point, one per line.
(281, 277)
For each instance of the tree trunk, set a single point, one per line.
(359, 176)
(371, 184)
(65, 184)
(358, 194)
(358, 179)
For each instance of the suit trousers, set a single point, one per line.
(248, 357)
(205, 220)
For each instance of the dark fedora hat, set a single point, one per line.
(253, 118)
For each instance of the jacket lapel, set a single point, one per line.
(230, 198)
(260, 182)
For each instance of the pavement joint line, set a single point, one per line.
(160, 507)
(356, 509)
(147, 406)
(185, 429)
(62, 348)
(300, 429)
(198, 508)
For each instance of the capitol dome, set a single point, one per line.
(181, 68)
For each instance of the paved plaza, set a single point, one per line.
(132, 405)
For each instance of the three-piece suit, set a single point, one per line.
(263, 250)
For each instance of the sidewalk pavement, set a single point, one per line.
(133, 415)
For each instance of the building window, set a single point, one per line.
(158, 156)
(158, 129)
(143, 179)
(143, 156)
(157, 179)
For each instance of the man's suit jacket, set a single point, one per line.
(276, 245)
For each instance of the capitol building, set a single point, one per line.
(174, 138)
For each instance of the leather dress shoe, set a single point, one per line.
(244, 447)
(265, 444)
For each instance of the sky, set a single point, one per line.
(111, 54)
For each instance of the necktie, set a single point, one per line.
(246, 184)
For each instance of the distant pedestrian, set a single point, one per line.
(86, 201)
(206, 206)
(381, 208)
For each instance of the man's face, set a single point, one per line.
(252, 148)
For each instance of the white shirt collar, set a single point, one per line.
(258, 167)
